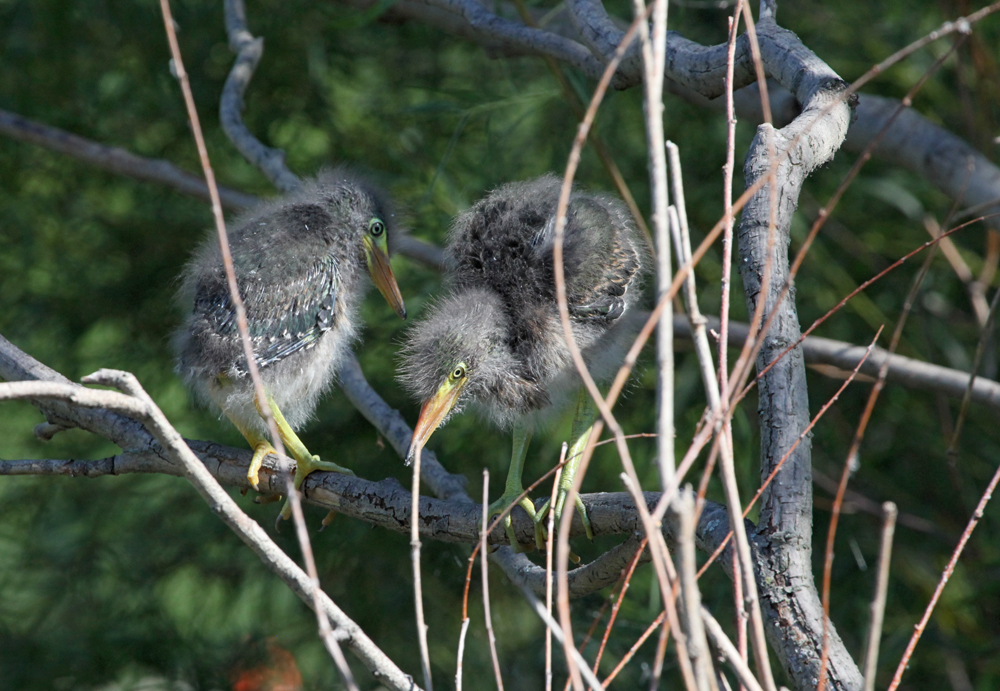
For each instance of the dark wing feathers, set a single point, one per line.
(281, 321)
(602, 260)
(505, 243)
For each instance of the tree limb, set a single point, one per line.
(115, 159)
(385, 504)
(132, 401)
(696, 73)
(794, 614)
(908, 372)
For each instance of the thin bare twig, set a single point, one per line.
(852, 461)
(418, 594)
(682, 241)
(461, 653)
(627, 657)
(484, 568)
(326, 633)
(825, 352)
(694, 626)
(742, 616)
(666, 578)
(606, 414)
(984, 337)
(653, 59)
(592, 681)
(729, 652)
(878, 602)
(220, 225)
(134, 402)
(548, 565)
(945, 575)
(777, 466)
(600, 148)
(626, 581)
(727, 206)
(973, 287)
(704, 671)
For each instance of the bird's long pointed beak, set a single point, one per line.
(433, 412)
(381, 273)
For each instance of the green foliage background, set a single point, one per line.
(106, 582)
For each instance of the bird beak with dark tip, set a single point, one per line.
(381, 273)
(433, 413)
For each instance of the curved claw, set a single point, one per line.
(260, 450)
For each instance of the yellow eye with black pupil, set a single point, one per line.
(376, 227)
(458, 373)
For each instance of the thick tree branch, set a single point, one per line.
(696, 73)
(133, 402)
(249, 51)
(516, 34)
(794, 614)
(385, 504)
(911, 142)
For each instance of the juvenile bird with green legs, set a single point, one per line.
(496, 339)
(301, 265)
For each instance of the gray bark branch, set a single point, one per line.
(385, 504)
(793, 610)
(905, 371)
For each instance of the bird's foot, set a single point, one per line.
(500, 505)
(260, 449)
(543, 512)
(303, 467)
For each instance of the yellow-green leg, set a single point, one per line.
(583, 425)
(514, 487)
(305, 462)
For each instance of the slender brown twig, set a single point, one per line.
(781, 462)
(608, 417)
(984, 337)
(626, 580)
(852, 463)
(949, 569)
(326, 632)
(635, 648)
(600, 148)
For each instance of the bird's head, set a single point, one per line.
(365, 211)
(376, 251)
(456, 355)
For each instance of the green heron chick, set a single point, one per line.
(496, 340)
(300, 264)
